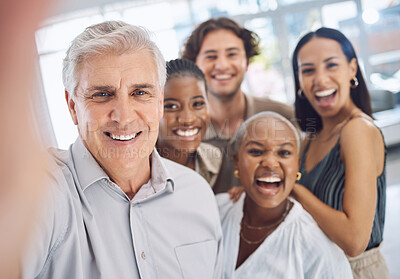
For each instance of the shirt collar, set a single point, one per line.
(159, 173)
(89, 171)
(210, 157)
(86, 167)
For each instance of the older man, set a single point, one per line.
(222, 49)
(117, 210)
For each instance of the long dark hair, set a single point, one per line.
(307, 118)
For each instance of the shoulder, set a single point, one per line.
(224, 202)
(308, 233)
(52, 222)
(225, 205)
(361, 131)
(321, 257)
(185, 178)
(361, 124)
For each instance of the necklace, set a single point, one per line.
(269, 225)
(255, 242)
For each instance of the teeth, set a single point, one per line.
(222, 77)
(122, 137)
(325, 93)
(269, 179)
(187, 133)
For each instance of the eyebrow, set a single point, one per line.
(214, 51)
(100, 88)
(232, 48)
(171, 99)
(253, 142)
(259, 144)
(325, 60)
(286, 143)
(177, 100)
(198, 96)
(112, 88)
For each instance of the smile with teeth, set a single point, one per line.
(269, 185)
(269, 179)
(222, 77)
(122, 137)
(325, 93)
(268, 182)
(187, 132)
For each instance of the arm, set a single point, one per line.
(362, 152)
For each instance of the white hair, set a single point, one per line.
(242, 131)
(110, 36)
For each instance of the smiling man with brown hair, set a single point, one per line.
(222, 49)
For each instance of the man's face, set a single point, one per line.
(117, 108)
(222, 58)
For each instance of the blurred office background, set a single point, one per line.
(372, 26)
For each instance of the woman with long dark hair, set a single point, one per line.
(343, 161)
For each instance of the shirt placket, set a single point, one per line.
(141, 244)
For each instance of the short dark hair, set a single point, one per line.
(182, 68)
(305, 113)
(193, 44)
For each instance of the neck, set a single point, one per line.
(329, 124)
(259, 216)
(228, 115)
(132, 179)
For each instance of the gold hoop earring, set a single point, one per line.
(300, 93)
(236, 173)
(298, 176)
(354, 82)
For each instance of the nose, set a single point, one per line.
(269, 161)
(123, 111)
(221, 62)
(186, 116)
(320, 78)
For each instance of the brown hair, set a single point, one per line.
(193, 43)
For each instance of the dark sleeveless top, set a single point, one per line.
(326, 182)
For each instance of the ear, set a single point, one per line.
(353, 67)
(71, 107)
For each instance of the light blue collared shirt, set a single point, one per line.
(90, 228)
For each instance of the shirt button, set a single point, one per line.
(143, 255)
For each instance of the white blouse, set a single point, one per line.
(296, 249)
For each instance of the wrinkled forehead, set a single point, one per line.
(133, 67)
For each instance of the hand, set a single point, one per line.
(235, 192)
(295, 190)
